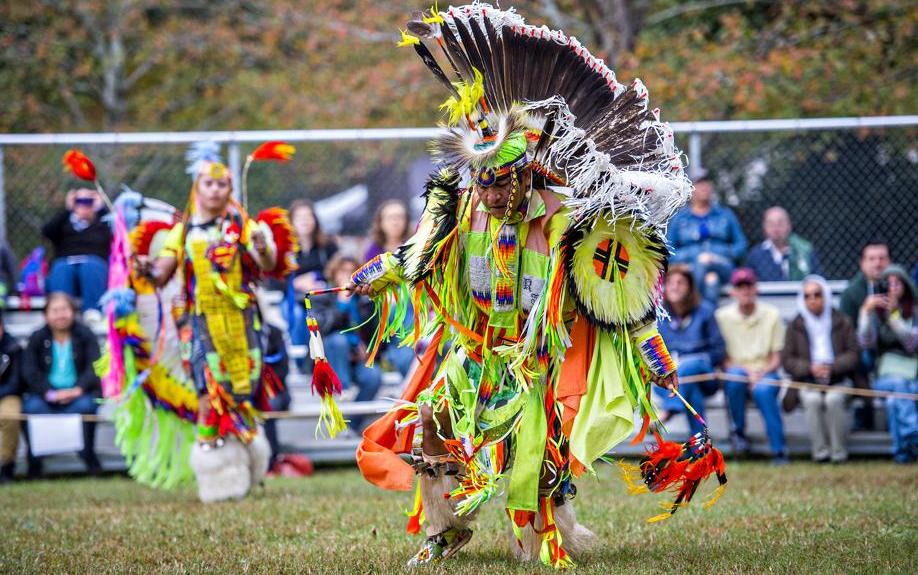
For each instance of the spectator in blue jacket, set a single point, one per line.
(783, 255)
(707, 236)
(693, 338)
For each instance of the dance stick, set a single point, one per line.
(324, 291)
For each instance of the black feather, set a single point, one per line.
(434, 67)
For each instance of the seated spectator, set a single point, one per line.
(889, 329)
(391, 228)
(8, 268)
(58, 373)
(347, 351)
(315, 252)
(693, 338)
(754, 336)
(874, 258)
(82, 242)
(783, 256)
(272, 342)
(821, 347)
(10, 401)
(707, 237)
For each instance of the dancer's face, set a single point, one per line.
(495, 197)
(213, 190)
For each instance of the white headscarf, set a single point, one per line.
(818, 327)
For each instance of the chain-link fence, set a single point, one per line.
(842, 183)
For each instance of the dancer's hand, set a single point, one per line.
(143, 266)
(360, 289)
(670, 381)
(259, 242)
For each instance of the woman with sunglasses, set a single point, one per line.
(820, 347)
(81, 242)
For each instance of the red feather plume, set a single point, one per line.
(79, 165)
(681, 468)
(325, 381)
(276, 150)
(143, 234)
(284, 238)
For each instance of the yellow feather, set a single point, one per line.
(469, 95)
(408, 39)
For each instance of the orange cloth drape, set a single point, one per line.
(377, 455)
(572, 382)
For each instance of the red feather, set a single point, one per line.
(276, 150)
(682, 467)
(79, 165)
(143, 234)
(284, 238)
(324, 379)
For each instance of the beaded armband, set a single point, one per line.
(370, 271)
(654, 353)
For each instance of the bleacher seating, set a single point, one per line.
(298, 434)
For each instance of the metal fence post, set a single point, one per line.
(235, 168)
(694, 153)
(2, 201)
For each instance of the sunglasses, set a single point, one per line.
(812, 295)
(83, 201)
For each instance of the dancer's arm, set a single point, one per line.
(261, 246)
(159, 271)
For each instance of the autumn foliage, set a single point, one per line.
(171, 65)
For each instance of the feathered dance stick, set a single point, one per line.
(81, 167)
(678, 467)
(325, 381)
(118, 300)
(269, 151)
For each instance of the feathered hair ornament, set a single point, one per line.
(200, 154)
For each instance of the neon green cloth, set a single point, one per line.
(606, 416)
(523, 492)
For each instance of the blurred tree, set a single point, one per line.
(763, 59)
(238, 64)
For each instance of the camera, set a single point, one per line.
(882, 287)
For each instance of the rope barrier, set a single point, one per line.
(370, 408)
(347, 409)
(800, 385)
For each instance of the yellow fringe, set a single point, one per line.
(631, 475)
(330, 418)
(714, 497)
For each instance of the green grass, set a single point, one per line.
(857, 518)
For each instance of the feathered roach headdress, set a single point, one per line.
(200, 154)
(583, 128)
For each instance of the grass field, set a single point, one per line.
(857, 518)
